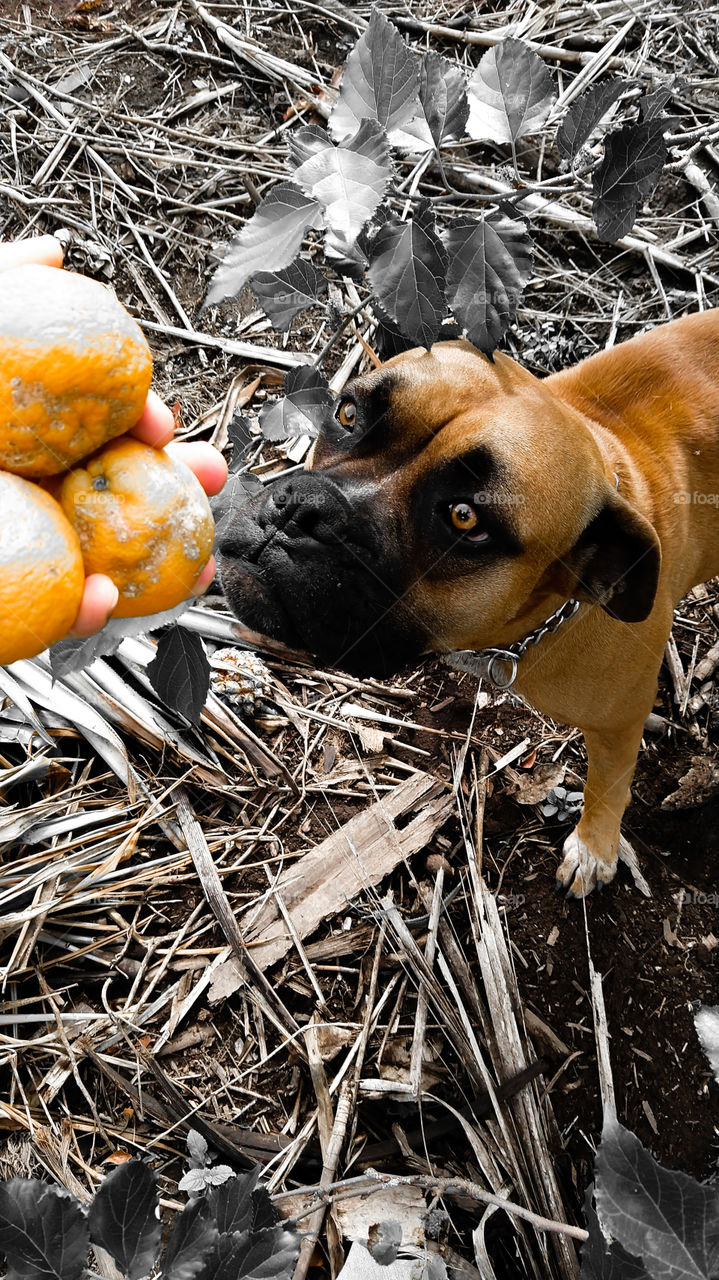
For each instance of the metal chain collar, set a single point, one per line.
(489, 663)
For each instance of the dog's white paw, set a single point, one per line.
(580, 871)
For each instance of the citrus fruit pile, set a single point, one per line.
(78, 496)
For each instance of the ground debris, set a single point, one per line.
(401, 908)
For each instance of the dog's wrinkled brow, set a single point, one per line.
(373, 394)
(384, 412)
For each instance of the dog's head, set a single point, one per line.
(450, 503)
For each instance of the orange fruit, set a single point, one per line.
(41, 570)
(75, 369)
(143, 519)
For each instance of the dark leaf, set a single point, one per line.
(379, 81)
(75, 655)
(347, 259)
(666, 1218)
(268, 242)
(353, 260)
(585, 114)
(283, 294)
(239, 435)
(370, 231)
(193, 1235)
(180, 673)
(220, 1252)
(383, 1241)
(266, 1215)
(443, 97)
(388, 338)
(270, 1255)
(232, 1204)
(303, 407)
(602, 1260)
(43, 1231)
(303, 378)
(124, 1218)
(510, 93)
(407, 273)
(348, 181)
(490, 262)
(237, 491)
(651, 105)
(634, 157)
(68, 656)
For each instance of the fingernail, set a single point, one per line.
(113, 606)
(205, 579)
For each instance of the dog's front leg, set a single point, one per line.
(591, 851)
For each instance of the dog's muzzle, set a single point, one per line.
(304, 562)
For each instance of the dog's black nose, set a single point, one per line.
(307, 506)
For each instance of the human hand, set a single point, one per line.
(156, 427)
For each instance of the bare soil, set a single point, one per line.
(658, 956)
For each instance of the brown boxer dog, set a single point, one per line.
(454, 503)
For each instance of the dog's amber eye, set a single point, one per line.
(347, 413)
(463, 517)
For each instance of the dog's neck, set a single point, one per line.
(500, 666)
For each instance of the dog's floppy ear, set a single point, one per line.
(616, 560)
